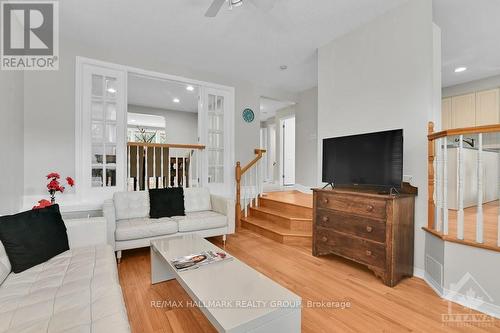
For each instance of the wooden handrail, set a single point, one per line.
(240, 171)
(167, 145)
(463, 131)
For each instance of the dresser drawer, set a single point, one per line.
(358, 249)
(351, 224)
(360, 205)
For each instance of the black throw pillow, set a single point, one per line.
(33, 237)
(166, 202)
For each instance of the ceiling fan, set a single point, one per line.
(216, 5)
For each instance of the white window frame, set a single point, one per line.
(97, 198)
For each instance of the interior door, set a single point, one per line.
(102, 132)
(288, 150)
(215, 134)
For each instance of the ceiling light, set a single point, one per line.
(112, 90)
(235, 3)
(176, 100)
(460, 69)
(189, 88)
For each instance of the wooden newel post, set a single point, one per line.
(238, 195)
(430, 171)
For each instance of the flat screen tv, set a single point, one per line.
(372, 160)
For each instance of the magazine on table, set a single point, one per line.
(196, 260)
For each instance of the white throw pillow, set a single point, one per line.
(5, 267)
(197, 199)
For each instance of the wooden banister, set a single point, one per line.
(463, 131)
(239, 172)
(167, 145)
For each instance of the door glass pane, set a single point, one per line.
(97, 110)
(97, 177)
(97, 85)
(215, 139)
(111, 111)
(111, 133)
(96, 157)
(111, 88)
(97, 131)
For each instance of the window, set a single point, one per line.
(215, 146)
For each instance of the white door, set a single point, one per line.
(288, 151)
(272, 154)
(101, 131)
(215, 134)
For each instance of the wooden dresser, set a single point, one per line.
(373, 229)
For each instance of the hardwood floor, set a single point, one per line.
(490, 222)
(409, 307)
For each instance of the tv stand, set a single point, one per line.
(375, 230)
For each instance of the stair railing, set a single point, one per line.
(463, 173)
(249, 184)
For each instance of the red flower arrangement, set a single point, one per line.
(53, 187)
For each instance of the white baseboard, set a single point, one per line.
(302, 188)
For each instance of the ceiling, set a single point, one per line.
(247, 43)
(145, 120)
(250, 43)
(155, 93)
(470, 38)
(269, 106)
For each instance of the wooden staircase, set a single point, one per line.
(285, 217)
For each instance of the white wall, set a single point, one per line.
(306, 127)
(472, 86)
(180, 126)
(11, 141)
(50, 109)
(380, 77)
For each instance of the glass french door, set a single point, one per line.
(103, 133)
(215, 135)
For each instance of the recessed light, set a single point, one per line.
(111, 90)
(132, 120)
(189, 88)
(460, 69)
(176, 100)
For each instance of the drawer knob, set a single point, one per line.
(325, 219)
(369, 208)
(324, 238)
(325, 200)
(369, 228)
(368, 252)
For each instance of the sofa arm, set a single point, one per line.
(226, 207)
(108, 209)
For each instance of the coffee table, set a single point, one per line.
(233, 296)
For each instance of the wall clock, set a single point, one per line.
(248, 115)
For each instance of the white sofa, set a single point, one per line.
(76, 291)
(129, 225)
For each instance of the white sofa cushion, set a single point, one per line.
(144, 228)
(196, 199)
(200, 221)
(76, 291)
(131, 205)
(5, 267)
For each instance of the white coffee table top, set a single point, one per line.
(237, 297)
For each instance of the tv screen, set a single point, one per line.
(374, 159)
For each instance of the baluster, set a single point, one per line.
(445, 186)
(461, 165)
(137, 177)
(191, 154)
(439, 192)
(250, 179)
(128, 168)
(479, 214)
(245, 193)
(146, 180)
(161, 169)
(257, 171)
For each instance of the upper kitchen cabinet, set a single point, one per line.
(487, 107)
(463, 110)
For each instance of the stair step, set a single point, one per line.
(282, 218)
(291, 208)
(276, 232)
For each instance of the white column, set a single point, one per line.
(439, 184)
(479, 214)
(461, 165)
(445, 186)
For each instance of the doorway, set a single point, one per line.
(287, 145)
